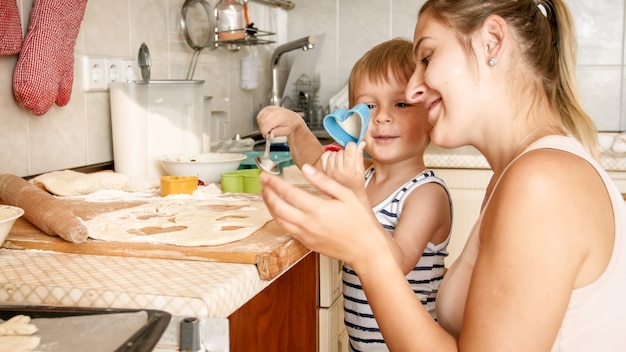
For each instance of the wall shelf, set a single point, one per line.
(253, 36)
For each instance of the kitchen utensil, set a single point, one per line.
(346, 126)
(178, 185)
(264, 162)
(241, 181)
(43, 210)
(207, 166)
(198, 26)
(280, 158)
(144, 62)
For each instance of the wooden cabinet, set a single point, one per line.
(282, 317)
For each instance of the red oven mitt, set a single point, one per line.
(45, 68)
(10, 28)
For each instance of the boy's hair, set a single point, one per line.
(394, 56)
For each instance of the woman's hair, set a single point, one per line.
(394, 56)
(545, 31)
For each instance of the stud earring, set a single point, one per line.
(492, 62)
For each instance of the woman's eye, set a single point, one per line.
(425, 60)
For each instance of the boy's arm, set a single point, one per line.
(425, 217)
(305, 148)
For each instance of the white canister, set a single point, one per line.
(153, 119)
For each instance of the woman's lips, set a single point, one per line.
(431, 107)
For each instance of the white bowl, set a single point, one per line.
(8, 215)
(207, 166)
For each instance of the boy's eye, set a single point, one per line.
(403, 105)
(371, 106)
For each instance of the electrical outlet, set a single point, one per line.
(94, 74)
(129, 72)
(115, 70)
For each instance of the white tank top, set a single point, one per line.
(596, 315)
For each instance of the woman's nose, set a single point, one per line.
(416, 87)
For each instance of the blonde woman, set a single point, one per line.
(544, 268)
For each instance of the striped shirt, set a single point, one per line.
(424, 278)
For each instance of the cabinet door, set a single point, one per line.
(332, 331)
(330, 280)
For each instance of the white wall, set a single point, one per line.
(80, 133)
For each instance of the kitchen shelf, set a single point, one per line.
(253, 36)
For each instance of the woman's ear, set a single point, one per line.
(493, 33)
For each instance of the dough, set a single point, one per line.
(182, 222)
(72, 183)
(18, 343)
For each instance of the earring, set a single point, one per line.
(492, 62)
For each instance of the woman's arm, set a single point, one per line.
(342, 227)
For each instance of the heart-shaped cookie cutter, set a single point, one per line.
(346, 126)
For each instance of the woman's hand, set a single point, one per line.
(339, 225)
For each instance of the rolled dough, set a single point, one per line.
(182, 222)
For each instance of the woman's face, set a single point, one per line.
(446, 81)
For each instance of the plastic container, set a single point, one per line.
(178, 185)
(241, 181)
(282, 159)
(155, 118)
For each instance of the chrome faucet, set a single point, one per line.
(305, 44)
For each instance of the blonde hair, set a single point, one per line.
(547, 39)
(394, 56)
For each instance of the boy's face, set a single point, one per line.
(397, 130)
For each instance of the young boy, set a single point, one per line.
(409, 201)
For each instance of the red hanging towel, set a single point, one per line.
(10, 28)
(45, 68)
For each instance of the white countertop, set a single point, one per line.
(182, 288)
(470, 158)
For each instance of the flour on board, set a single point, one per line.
(181, 222)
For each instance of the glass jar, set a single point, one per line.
(230, 20)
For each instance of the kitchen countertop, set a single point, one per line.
(181, 287)
(205, 288)
(470, 158)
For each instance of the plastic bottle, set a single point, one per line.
(231, 22)
(250, 70)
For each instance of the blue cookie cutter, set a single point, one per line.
(335, 130)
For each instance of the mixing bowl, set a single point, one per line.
(207, 166)
(8, 215)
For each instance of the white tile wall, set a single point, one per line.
(80, 133)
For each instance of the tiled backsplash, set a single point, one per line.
(80, 133)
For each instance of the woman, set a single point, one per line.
(544, 267)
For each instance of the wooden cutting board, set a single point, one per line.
(270, 248)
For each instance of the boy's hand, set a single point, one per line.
(346, 167)
(281, 121)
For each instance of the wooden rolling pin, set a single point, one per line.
(49, 214)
